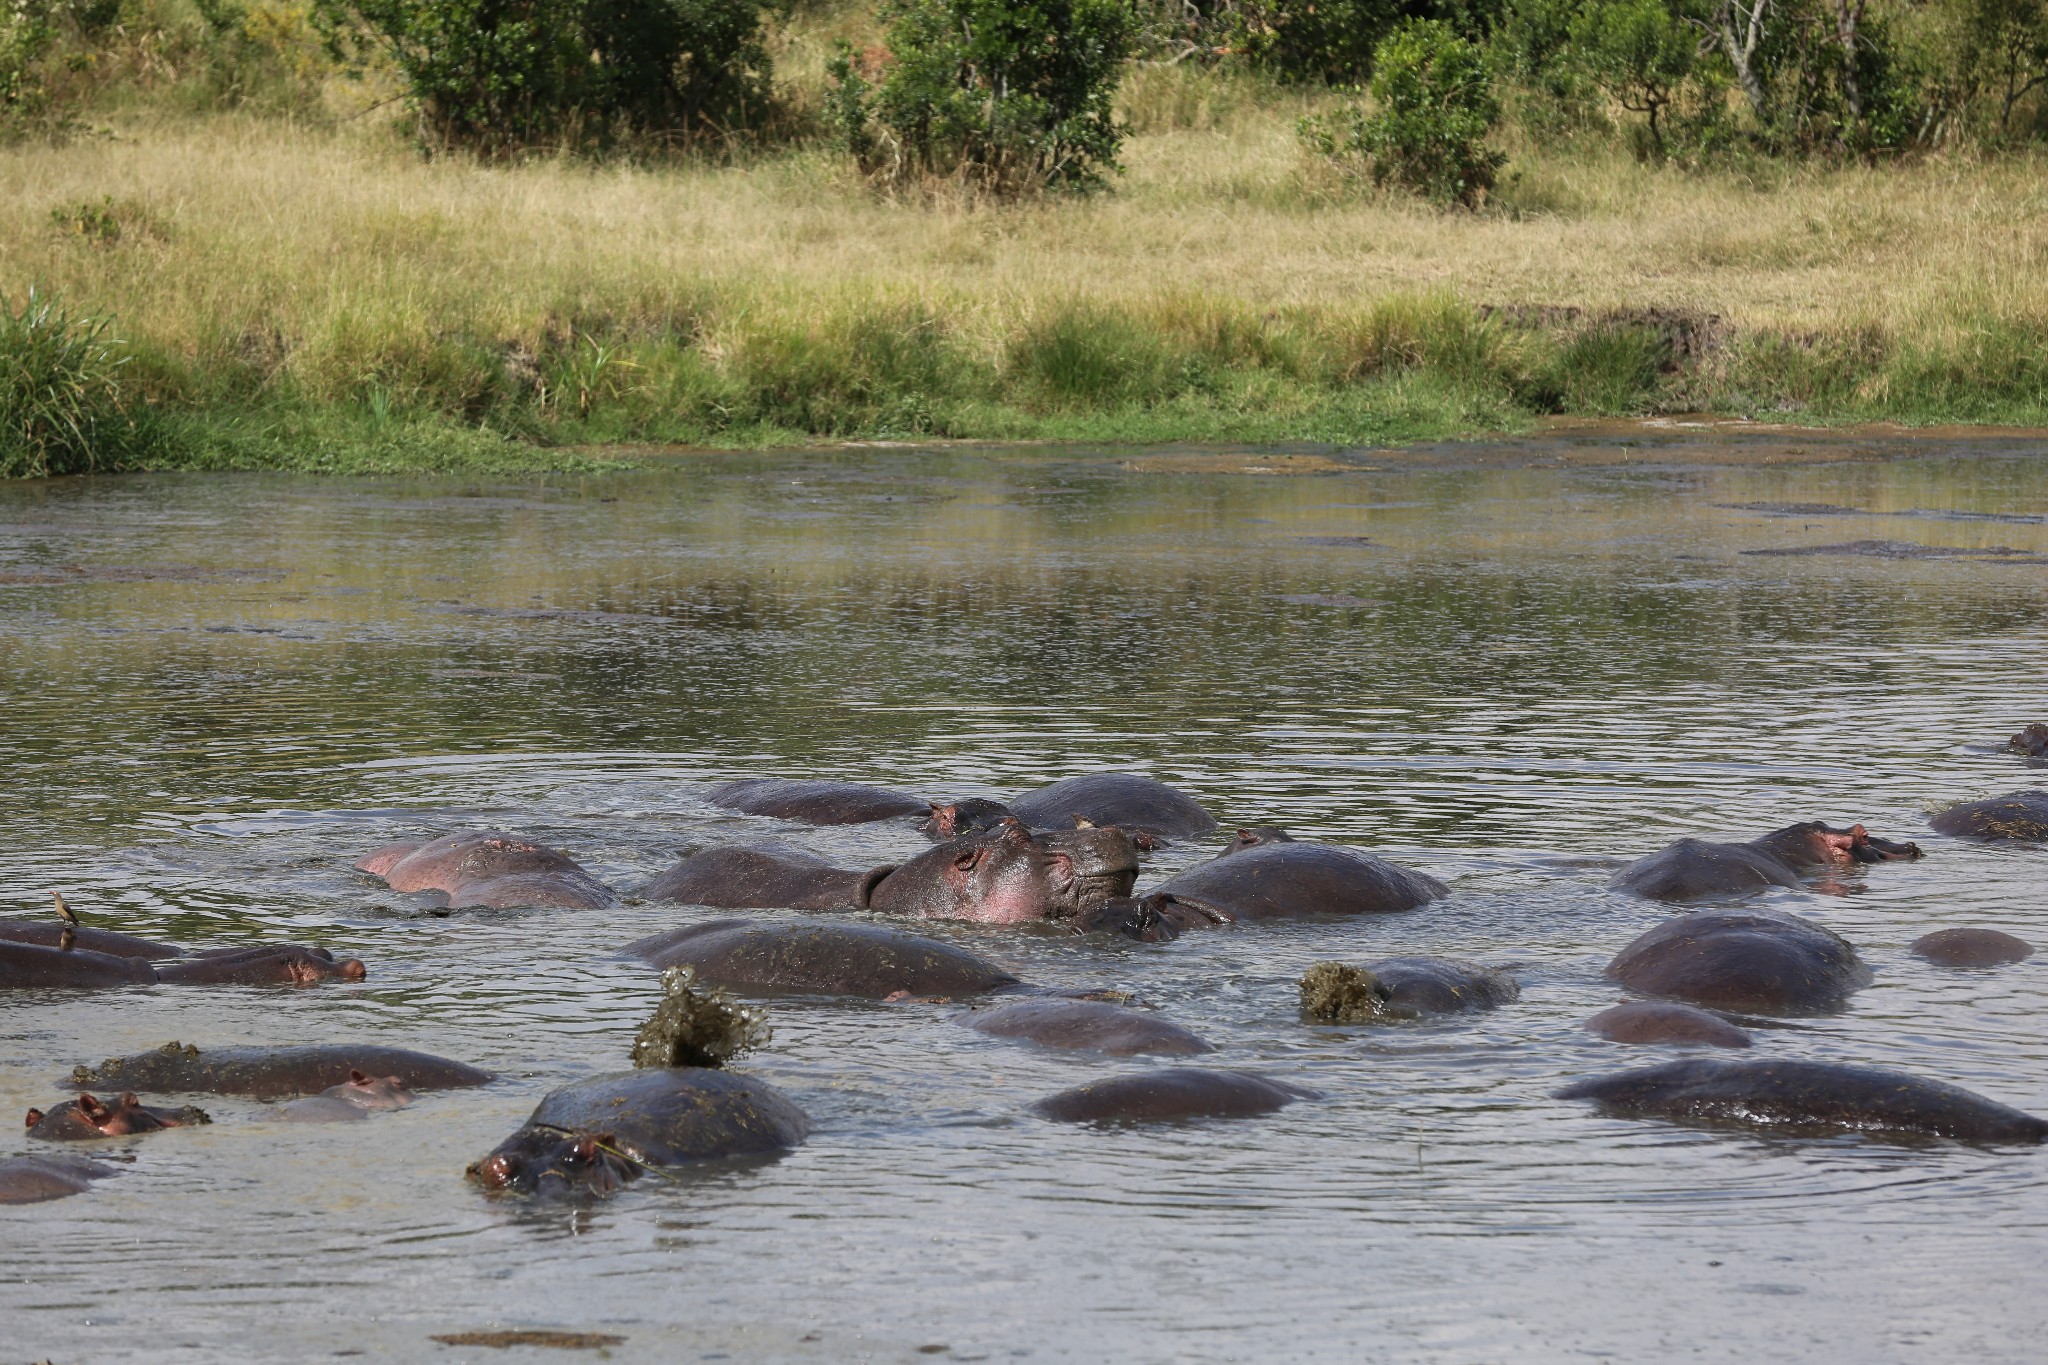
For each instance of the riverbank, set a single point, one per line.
(322, 299)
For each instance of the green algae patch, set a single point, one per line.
(1337, 993)
(692, 1027)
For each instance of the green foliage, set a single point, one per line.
(29, 32)
(1006, 96)
(1641, 52)
(500, 76)
(1436, 106)
(1327, 40)
(2006, 48)
(60, 395)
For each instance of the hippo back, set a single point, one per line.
(815, 802)
(1127, 800)
(1182, 1092)
(1695, 868)
(30, 966)
(862, 960)
(1776, 964)
(2016, 815)
(666, 1116)
(268, 1073)
(762, 877)
(1438, 985)
(1291, 880)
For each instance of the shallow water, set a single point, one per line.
(1510, 666)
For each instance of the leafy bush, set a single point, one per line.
(1641, 52)
(29, 30)
(1436, 107)
(60, 397)
(498, 76)
(1008, 96)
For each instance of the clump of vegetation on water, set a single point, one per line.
(697, 1028)
(1338, 993)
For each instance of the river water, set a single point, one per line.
(1511, 666)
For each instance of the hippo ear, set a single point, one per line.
(966, 858)
(356, 1077)
(92, 1108)
(35, 1116)
(1083, 822)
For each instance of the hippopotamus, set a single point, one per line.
(1084, 1025)
(52, 934)
(595, 1136)
(2019, 815)
(354, 1099)
(1782, 1093)
(87, 1117)
(1664, 1021)
(1971, 948)
(1747, 961)
(1007, 876)
(274, 1073)
(1401, 988)
(815, 802)
(1253, 836)
(26, 966)
(975, 815)
(1150, 918)
(1695, 868)
(489, 869)
(2032, 741)
(1181, 1092)
(869, 961)
(34, 1179)
(1292, 880)
(1126, 800)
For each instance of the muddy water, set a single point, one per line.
(1508, 666)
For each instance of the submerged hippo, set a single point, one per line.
(1971, 948)
(1778, 1093)
(869, 961)
(1182, 1092)
(1402, 988)
(55, 934)
(1085, 1025)
(488, 869)
(1007, 876)
(354, 1099)
(1126, 800)
(975, 815)
(2032, 741)
(593, 1137)
(1252, 836)
(34, 1179)
(1694, 868)
(815, 802)
(1747, 961)
(274, 1072)
(25, 966)
(1665, 1021)
(1292, 880)
(87, 1117)
(2019, 815)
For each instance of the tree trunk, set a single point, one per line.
(1739, 30)
(1847, 17)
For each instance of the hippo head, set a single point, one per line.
(372, 1092)
(1010, 876)
(976, 815)
(1817, 844)
(89, 1115)
(1254, 836)
(556, 1163)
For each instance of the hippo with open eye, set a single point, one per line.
(36, 1179)
(815, 802)
(1181, 1092)
(1141, 805)
(1694, 868)
(2021, 816)
(1800, 1095)
(593, 1137)
(868, 961)
(1747, 961)
(273, 1073)
(1007, 876)
(354, 1099)
(1297, 880)
(489, 869)
(87, 1117)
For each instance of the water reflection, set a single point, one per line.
(220, 691)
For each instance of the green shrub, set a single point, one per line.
(29, 30)
(1329, 40)
(1436, 108)
(498, 76)
(1640, 52)
(60, 395)
(1007, 96)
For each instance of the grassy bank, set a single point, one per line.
(327, 299)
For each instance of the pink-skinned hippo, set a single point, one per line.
(1692, 869)
(87, 1117)
(1006, 876)
(487, 869)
